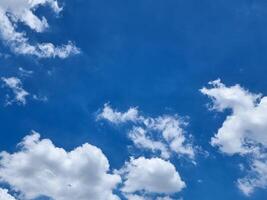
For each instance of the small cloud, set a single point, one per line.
(24, 72)
(151, 176)
(20, 95)
(15, 85)
(40, 98)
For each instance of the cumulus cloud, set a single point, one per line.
(145, 197)
(153, 175)
(244, 131)
(39, 168)
(15, 85)
(4, 195)
(164, 134)
(14, 11)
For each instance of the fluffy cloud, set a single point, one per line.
(244, 131)
(134, 197)
(5, 196)
(145, 197)
(162, 134)
(16, 86)
(14, 11)
(247, 123)
(116, 117)
(40, 168)
(151, 176)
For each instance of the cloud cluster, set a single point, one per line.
(244, 131)
(13, 12)
(163, 134)
(143, 177)
(40, 168)
(4, 195)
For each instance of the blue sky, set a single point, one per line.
(153, 57)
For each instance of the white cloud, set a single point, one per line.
(247, 122)
(5, 196)
(14, 11)
(24, 72)
(151, 176)
(165, 198)
(40, 168)
(134, 197)
(16, 86)
(244, 131)
(20, 94)
(141, 140)
(116, 117)
(23, 11)
(162, 134)
(256, 178)
(145, 197)
(173, 133)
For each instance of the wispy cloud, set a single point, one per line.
(164, 134)
(15, 85)
(13, 11)
(20, 95)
